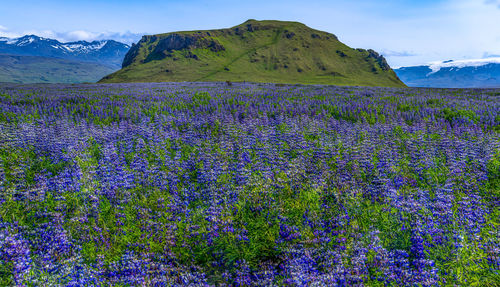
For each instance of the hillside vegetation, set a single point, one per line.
(255, 51)
(34, 69)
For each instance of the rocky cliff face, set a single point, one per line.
(164, 46)
(381, 61)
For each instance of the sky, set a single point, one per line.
(406, 32)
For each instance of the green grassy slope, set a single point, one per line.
(255, 51)
(34, 69)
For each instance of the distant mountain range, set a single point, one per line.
(255, 51)
(480, 73)
(33, 59)
(106, 52)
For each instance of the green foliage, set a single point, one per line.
(494, 176)
(262, 55)
(6, 274)
(496, 127)
(31, 69)
(162, 221)
(451, 114)
(406, 107)
(334, 112)
(434, 102)
(256, 214)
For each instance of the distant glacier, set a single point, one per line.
(473, 73)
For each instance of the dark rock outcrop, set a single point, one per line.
(162, 47)
(381, 61)
(131, 54)
(289, 35)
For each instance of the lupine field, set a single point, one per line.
(248, 185)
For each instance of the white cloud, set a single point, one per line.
(43, 33)
(126, 37)
(390, 53)
(5, 33)
(80, 35)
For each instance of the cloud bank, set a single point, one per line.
(390, 53)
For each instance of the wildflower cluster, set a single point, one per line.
(248, 185)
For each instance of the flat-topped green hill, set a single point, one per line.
(255, 51)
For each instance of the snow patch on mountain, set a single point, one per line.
(84, 47)
(12, 41)
(25, 41)
(436, 66)
(79, 47)
(109, 52)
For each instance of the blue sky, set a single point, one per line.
(407, 32)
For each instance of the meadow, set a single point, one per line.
(205, 184)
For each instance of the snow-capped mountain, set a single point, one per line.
(107, 52)
(474, 73)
